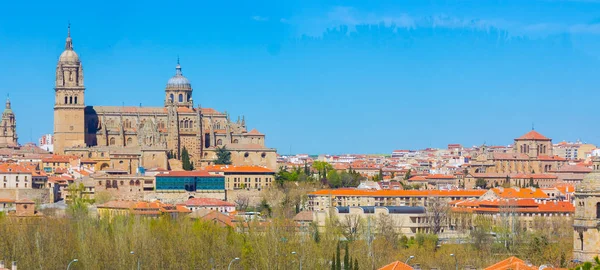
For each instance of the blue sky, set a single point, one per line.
(324, 76)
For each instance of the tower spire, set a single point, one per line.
(7, 102)
(178, 68)
(69, 43)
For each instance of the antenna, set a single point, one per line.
(532, 126)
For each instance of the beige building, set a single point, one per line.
(324, 199)
(121, 185)
(586, 232)
(407, 220)
(15, 176)
(126, 137)
(573, 151)
(244, 177)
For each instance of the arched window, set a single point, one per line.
(235, 141)
(75, 99)
(66, 100)
(129, 141)
(181, 124)
(189, 96)
(219, 142)
(185, 124)
(180, 98)
(70, 100)
(171, 97)
(112, 141)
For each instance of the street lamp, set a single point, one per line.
(409, 258)
(299, 259)
(138, 259)
(73, 261)
(455, 261)
(234, 259)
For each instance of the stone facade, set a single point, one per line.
(586, 224)
(8, 125)
(148, 135)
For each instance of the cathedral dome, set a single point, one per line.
(178, 82)
(69, 56)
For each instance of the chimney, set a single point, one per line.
(14, 265)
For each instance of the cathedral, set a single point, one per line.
(129, 137)
(8, 137)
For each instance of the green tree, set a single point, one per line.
(334, 179)
(407, 175)
(322, 168)
(481, 183)
(78, 201)
(346, 257)
(223, 156)
(185, 160)
(338, 262)
(333, 263)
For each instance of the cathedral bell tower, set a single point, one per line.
(8, 125)
(586, 223)
(69, 123)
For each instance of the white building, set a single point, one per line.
(210, 204)
(46, 142)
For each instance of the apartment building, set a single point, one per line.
(322, 200)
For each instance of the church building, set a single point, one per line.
(128, 137)
(586, 224)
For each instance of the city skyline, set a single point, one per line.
(315, 80)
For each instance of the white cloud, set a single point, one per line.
(260, 18)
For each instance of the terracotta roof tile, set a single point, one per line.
(397, 265)
(207, 202)
(397, 193)
(533, 135)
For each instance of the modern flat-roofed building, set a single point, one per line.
(191, 181)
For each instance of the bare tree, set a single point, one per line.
(437, 214)
(352, 226)
(386, 229)
(242, 201)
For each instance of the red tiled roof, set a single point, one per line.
(240, 169)
(184, 173)
(440, 176)
(14, 168)
(58, 159)
(520, 193)
(417, 178)
(397, 265)
(574, 168)
(398, 193)
(511, 263)
(207, 202)
(209, 111)
(254, 132)
(533, 135)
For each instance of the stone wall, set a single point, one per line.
(37, 195)
(181, 196)
(254, 196)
